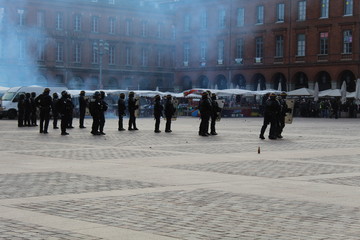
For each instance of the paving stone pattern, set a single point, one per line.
(346, 159)
(99, 154)
(16, 230)
(348, 181)
(201, 214)
(57, 183)
(268, 168)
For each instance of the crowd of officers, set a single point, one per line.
(62, 108)
(275, 109)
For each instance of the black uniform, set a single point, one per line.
(95, 111)
(44, 102)
(271, 115)
(33, 109)
(132, 107)
(215, 111)
(27, 110)
(82, 109)
(71, 112)
(21, 110)
(282, 114)
(205, 113)
(121, 111)
(169, 112)
(55, 113)
(64, 108)
(103, 109)
(158, 112)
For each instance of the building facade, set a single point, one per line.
(180, 44)
(86, 44)
(261, 43)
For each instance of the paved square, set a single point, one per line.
(143, 185)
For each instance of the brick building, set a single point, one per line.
(180, 44)
(86, 44)
(226, 43)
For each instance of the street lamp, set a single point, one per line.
(101, 47)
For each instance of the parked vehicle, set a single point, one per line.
(10, 98)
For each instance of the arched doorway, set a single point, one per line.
(221, 82)
(159, 84)
(349, 78)
(145, 84)
(112, 83)
(279, 78)
(324, 80)
(259, 82)
(239, 81)
(203, 82)
(301, 80)
(186, 83)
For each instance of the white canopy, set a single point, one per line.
(301, 92)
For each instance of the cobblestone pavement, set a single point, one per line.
(142, 185)
(11, 230)
(202, 213)
(53, 183)
(269, 168)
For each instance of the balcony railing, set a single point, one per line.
(346, 56)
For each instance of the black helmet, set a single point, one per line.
(64, 93)
(55, 95)
(97, 93)
(82, 93)
(122, 95)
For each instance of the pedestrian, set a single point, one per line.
(132, 107)
(21, 110)
(271, 113)
(44, 102)
(33, 109)
(95, 108)
(103, 109)
(27, 110)
(158, 113)
(82, 109)
(215, 111)
(205, 114)
(169, 111)
(121, 111)
(63, 108)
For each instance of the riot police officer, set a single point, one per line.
(282, 114)
(44, 102)
(33, 109)
(21, 110)
(169, 110)
(27, 110)
(55, 112)
(205, 113)
(215, 111)
(103, 109)
(82, 109)
(158, 113)
(95, 111)
(121, 111)
(132, 107)
(271, 116)
(64, 108)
